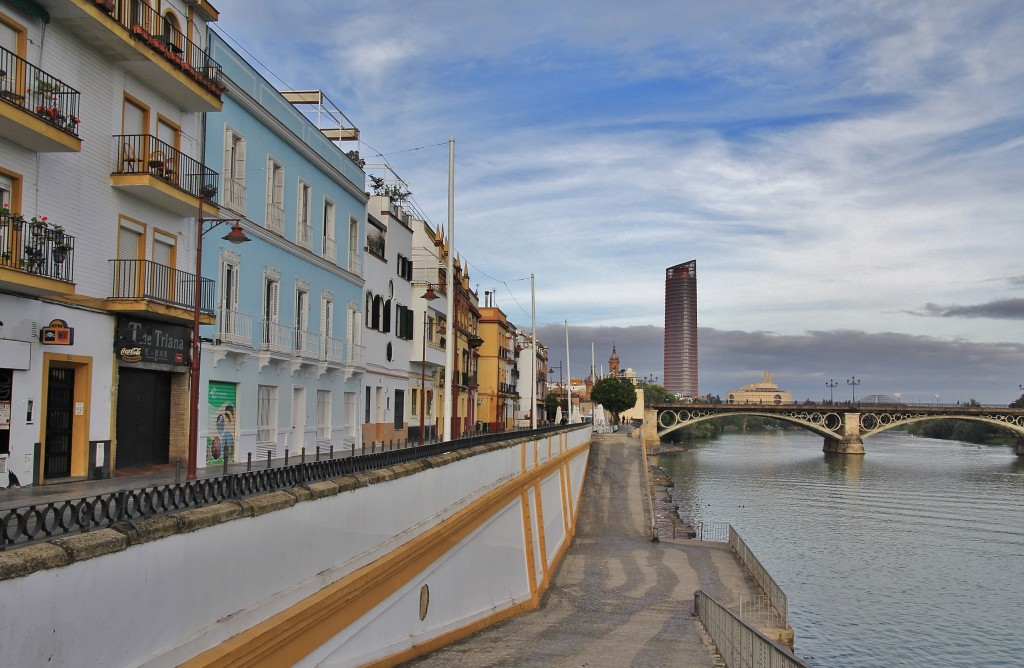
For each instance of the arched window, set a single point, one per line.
(172, 33)
(378, 307)
(369, 310)
(386, 325)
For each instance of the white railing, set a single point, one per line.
(356, 354)
(276, 337)
(307, 344)
(738, 643)
(354, 264)
(235, 327)
(333, 350)
(764, 580)
(304, 235)
(275, 217)
(234, 196)
(330, 249)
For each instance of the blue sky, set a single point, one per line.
(849, 176)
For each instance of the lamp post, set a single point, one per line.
(430, 295)
(853, 383)
(830, 383)
(236, 236)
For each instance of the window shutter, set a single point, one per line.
(238, 169)
(128, 245)
(229, 138)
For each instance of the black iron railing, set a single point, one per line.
(36, 248)
(145, 279)
(141, 154)
(25, 85)
(45, 521)
(153, 30)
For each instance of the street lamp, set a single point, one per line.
(853, 383)
(830, 383)
(236, 236)
(430, 295)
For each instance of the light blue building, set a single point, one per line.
(282, 367)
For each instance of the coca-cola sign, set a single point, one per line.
(137, 340)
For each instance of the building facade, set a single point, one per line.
(101, 177)
(283, 362)
(765, 392)
(680, 354)
(498, 372)
(430, 299)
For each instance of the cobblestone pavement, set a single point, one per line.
(617, 599)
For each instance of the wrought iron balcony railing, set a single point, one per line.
(234, 196)
(36, 248)
(145, 154)
(34, 90)
(149, 27)
(145, 279)
(235, 327)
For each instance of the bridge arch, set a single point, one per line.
(826, 424)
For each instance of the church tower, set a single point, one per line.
(613, 363)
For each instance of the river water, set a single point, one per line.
(912, 555)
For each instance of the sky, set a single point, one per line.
(848, 175)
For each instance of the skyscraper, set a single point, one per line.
(681, 329)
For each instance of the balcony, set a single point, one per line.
(137, 37)
(162, 175)
(355, 264)
(329, 252)
(276, 338)
(234, 327)
(307, 344)
(37, 110)
(234, 196)
(304, 235)
(163, 292)
(275, 217)
(35, 258)
(333, 351)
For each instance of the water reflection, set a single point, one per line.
(909, 555)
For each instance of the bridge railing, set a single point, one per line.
(761, 576)
(738, 643)
(45, 521)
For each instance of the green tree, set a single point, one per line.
(614, 394)
(553, 401)
(656, 394)
(1019, 403)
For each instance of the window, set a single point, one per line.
(366, 417)
(303, 226)
(275, 196)
(301, 318)
(353, 245)
(159, 275)
(230, 320)
(272, 335)
(399, 409)
(233, 196)
(404, 267)
(323, 415)
(10, 192)
(266, 414)
(403, 322)
(414, 408)
(329, 252)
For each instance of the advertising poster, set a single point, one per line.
(223, 427)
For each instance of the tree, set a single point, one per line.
(656, 394)
(1019, 403)
(552, 402)
(614, 394)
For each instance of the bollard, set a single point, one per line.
(177, 471)
(268, 459)
(286, 456)
(248, 462)
(225, 463)
(332, 451)
(303, 455)
(318, 453)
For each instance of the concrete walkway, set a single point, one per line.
(617, 598)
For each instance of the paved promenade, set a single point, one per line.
(617, 599)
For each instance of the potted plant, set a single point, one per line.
(208, 190)
(33, 258)
(59, 252)
(40, 226)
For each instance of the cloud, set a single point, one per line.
(1003, 309)
(916, 366)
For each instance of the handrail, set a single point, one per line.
(764, 580)
(145, 279)
(146, 154)
(738, 643)
(36, 91)
(45, 521)
(36, 248)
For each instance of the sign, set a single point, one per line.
(57, 333)
(223, 423)
(150, 341)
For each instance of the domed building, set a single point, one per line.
(765, 392)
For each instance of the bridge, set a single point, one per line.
(843, 426)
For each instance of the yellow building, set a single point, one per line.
(765, 392)
(497, 393)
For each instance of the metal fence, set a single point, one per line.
(738, 643)
(715, 531)
(36, 91)
(764, 580)
(27, 524)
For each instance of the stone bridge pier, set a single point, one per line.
(850, 442)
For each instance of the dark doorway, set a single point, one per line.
(143, 417)
(60, 406)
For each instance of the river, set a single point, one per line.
(912, 555)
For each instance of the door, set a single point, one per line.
(60, 400)
(298, 419)
(143, 417)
